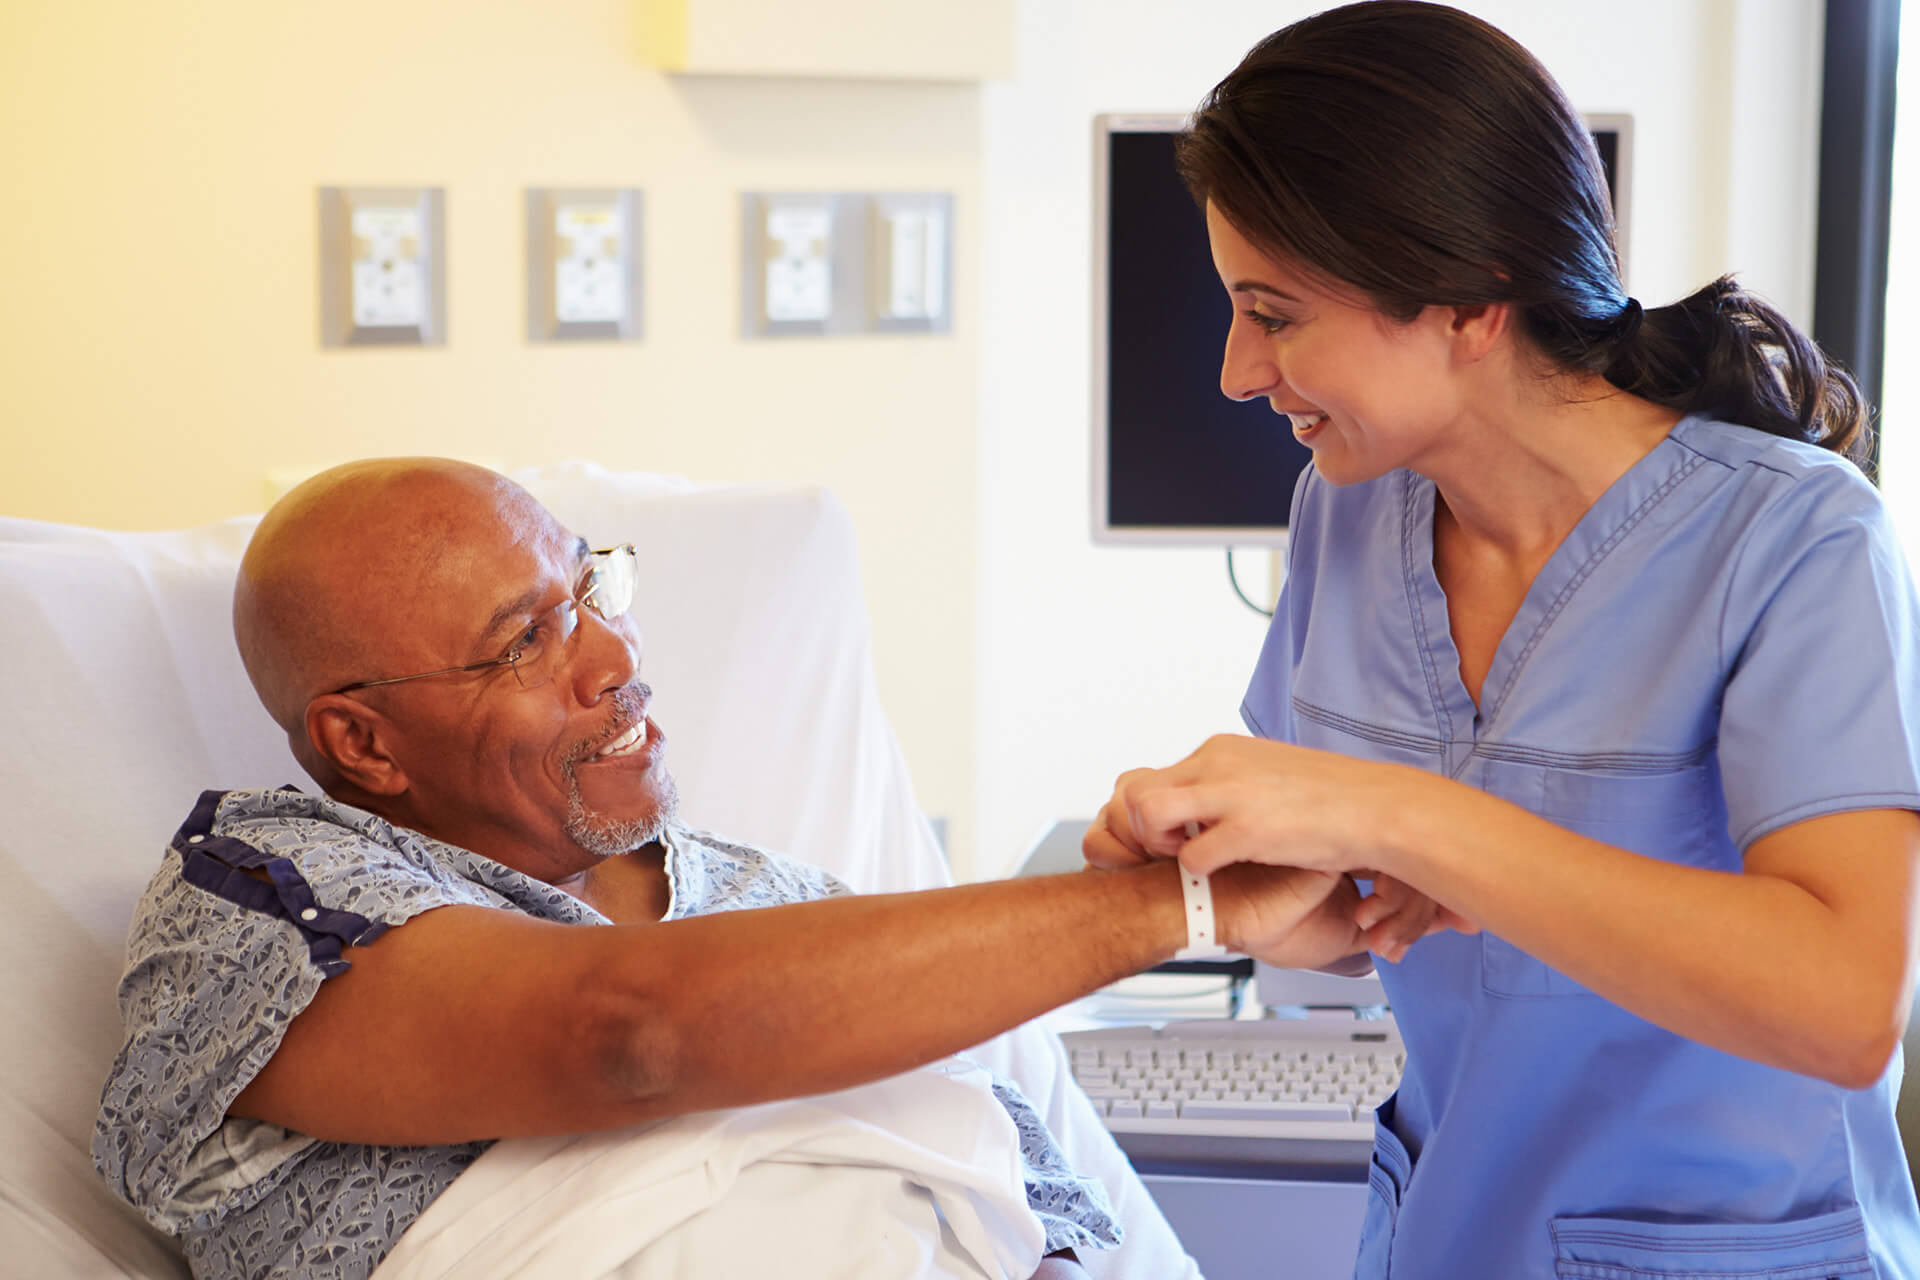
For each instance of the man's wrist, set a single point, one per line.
(1229, 900)
(1166, 906)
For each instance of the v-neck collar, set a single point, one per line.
(1611, 518)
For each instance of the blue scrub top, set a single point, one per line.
(1728, 642)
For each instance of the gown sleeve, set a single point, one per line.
(219, 963)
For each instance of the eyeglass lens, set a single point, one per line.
(611, 576)
(606, 587)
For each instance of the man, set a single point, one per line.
(335, 1004)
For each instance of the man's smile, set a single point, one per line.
(633, 739)
(641, 741)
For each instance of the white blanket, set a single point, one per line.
(914, 1176)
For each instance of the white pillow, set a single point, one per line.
(122, 697)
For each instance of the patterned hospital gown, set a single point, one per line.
(219, 962)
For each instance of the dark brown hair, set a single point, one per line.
(1421, 157)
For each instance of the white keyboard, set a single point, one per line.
(1299, 1091)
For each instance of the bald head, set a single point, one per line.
(334, 575)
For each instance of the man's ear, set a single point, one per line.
(1477, 328)
(351, 736)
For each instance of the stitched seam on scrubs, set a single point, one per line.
(1585, 571)
(1362, 729)
(1733, 577)
(1741, 1237)
(1622, 761)
(1413, 608)
(1852, 802)
(1822, 1270)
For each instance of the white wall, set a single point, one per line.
(1096, 660)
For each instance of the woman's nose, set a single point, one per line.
(1246, 369)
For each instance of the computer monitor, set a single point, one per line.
(1174, 461)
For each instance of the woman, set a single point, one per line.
(1593, 640)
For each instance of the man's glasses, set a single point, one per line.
(605, 586)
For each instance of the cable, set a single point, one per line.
(1234, 579)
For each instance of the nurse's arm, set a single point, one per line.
(1805, 960)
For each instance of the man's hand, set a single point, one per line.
(1396, 915)
(1286, 916)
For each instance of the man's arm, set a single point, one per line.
(469, 1022)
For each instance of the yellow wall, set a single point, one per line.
(914, 39)
(159, 348)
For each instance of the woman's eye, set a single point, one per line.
(1268, 324)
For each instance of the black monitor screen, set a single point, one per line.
(1179, 453)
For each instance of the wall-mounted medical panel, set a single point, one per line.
(838, 263)
(910, 263)
(583, 264)
(383, 266)
(804, 264)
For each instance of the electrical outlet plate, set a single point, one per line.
(382, 266)
(583, 264)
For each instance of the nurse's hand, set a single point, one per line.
(1110, 842)
(1261, 801)
(1343, 923)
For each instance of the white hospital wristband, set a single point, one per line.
(1203, 939)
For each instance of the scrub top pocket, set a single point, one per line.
(1674, 814)
(1387, 1176)
(1830, 1245)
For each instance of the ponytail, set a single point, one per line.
(1722, 352)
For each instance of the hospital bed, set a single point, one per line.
(122, 697)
